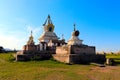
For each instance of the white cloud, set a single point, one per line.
(10, 38)
(9, 41)
(17, 38)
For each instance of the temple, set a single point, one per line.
(50, 46)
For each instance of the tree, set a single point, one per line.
(1, 49)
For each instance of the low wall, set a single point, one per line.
(76, 58)
(82, 49)
(25, 57)
(61, 58)
(75, 49)
(79, 58)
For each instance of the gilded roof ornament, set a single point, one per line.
(74, 27)
(48, 21)
(30, 41)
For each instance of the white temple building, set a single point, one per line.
(74, 51)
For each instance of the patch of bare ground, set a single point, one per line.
(106, 69)
(103, 73)
(1, 60)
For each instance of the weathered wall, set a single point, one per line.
(75, 50)
(79, 58)
(63, 50)
(82, 50)
(76, 58)
(29, 47)
(78, 54)
(60, 50)
(61, 58)
(24, 57)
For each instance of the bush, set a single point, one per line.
(11, 58)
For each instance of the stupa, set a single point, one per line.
(74, 40)
(48, 33)
(48, 42)
(77, 52)
(74, 51)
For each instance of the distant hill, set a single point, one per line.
(5, 50)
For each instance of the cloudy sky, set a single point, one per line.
(97, 20)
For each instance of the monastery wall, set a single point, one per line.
(79, 58)
(63, 50)
(82, 50)
(30, 47)
(62, 58)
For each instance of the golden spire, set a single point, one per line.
(31, 36)
(48, 26)
(31, 32)
(48, 20)
(48, 16)
(62, 36)
(30, 41)
(74, 27)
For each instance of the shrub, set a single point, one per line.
(11, 58)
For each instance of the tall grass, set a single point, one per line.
(52, 70)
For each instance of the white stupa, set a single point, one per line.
(74, 40)
(48, 33)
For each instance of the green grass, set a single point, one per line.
(115, 57)
(52, 70)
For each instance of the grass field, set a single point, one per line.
(52, 70)
(116, 58)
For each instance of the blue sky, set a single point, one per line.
(97, 20)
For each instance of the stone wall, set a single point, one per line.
(82, 50)
(25, 57)
(79, 58)
(78, 54)
(30, 47)
(61, 58)
(61, 50)
(75, 50)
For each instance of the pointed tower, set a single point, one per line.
(30, 46)
(74, 40)
(48, 33)
(30, 41)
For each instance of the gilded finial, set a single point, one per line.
(47, 21)
(74, 27)
(48, 16)
(31, 32)
(30, 41)
(62, 36)
(31, 37)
